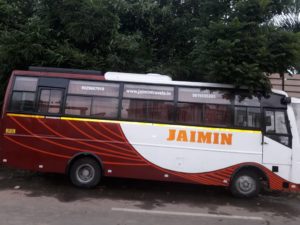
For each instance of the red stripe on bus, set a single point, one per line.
(37, 150)
(68, 147)
(132, 156)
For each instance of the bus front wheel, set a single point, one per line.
(245, 184)
(85, 173)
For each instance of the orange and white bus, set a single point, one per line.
(87, 125)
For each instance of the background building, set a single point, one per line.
(291, 84)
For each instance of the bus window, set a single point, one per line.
(93, 99)
(134, 109)
(145, 110)
(78, 105)
(217, 115)
(50, 101)
(189, 113)
(160, 111)
(25, 84)
(243, 100)
(22, 102)
(203, 106)
(247, 111)
(23, 95)
(276, 127)
(247, 117)
(148, 103)
(105, 107)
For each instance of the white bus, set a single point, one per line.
(147, 126)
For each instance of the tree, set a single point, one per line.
(227, 41)
(289, 20)
(240, 49)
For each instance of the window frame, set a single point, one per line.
(288, 126)
(202, 124)
(39, 90)
(92, 99)
(147, 119)
(12, 92)
(22, 111)
(247, 108)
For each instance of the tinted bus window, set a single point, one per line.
(25, 84)
(203, 106)
(189, 113)
(247, 101)
(50, 101)
(217, 115)
(94, 99)
(160, 111)
(105, 107)
(78, 105)
(145, 110)
(133, 109)
(247, 111)
(148, 103)
(247, 117)
(23, 95)
(22, 102)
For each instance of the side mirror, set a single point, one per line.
(286, 100)
(268, 121)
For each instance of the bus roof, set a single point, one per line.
(58, 74)
(158, 79)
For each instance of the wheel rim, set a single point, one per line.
(245, 184)
(85, 173)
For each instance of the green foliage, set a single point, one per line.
(226, 41)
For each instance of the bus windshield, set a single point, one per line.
(296, 107)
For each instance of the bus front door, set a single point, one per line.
(277, 140)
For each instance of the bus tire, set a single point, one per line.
(245, 184)
(85, 172)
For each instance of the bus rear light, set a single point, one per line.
(4, 160)
(41, 166)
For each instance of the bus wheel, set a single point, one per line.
(245, 184)
(85, 172)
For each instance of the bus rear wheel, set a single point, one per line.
(85, 172)
(245, 184)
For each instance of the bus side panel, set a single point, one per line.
(194, 149)
(25, 149)
(47, 145)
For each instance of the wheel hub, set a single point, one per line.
(246, 184)
(85, 173)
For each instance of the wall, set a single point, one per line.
(292, 84)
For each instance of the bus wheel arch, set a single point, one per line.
(247, 181)
(85, 170)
